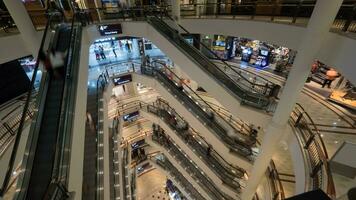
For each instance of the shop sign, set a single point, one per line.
(110, 29)
(122, 79)
(131, 116)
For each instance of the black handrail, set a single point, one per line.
(217, 57)
(313, 139)
(178, 154)
(136, 105)
(199, 97)
(68, 59)
(23, 118)
(244, 93)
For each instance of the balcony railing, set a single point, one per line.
(276, 186)
(99, 178)
(297, 12)
(314, 152)
(10, 124)
(163, 162)
(204, 181)
(162, 109)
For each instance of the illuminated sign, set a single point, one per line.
(122, 79)
(131, 116)
(110, 29)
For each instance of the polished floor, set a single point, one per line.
(151, 186)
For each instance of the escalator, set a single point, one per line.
(227, 173)
(205, 182)
(239, 145)
(233, 82)
(163, 162)
(43, 163)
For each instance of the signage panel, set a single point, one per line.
(110, 29)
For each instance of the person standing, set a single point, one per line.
(331, 75)
(102, 54)
(208, 150)
(97, 53)
(113, 50)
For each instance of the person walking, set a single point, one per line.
(97, 53)
(101, 50)
(331, 75)
(113, 50)
(128, 46)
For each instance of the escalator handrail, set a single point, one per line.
(212, 52)
(200, 98)
(138, 103)
(23, 117)
(59, 147)
(320, 142)
(253, 73)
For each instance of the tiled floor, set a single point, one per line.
(150, 186)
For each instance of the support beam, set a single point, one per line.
(24, 24)
(319, 24)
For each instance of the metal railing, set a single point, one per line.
(314, 151)
(100, 87)
(297, 12)
(115, 158)
(10, 124)
(26, 109)
(238, 143)
(166, 165)
(227, 172)
(191, 168)
(125, 170)
(230, 79)
(275, 182)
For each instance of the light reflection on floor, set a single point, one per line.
(150, 186)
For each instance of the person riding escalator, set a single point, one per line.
(54, 62)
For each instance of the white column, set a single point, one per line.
(319, 24)
(176, 10)
(131, 88)
(24, 24)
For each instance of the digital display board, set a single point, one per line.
(137, 144)
(130, 116)
(110, 29)
(122, 79)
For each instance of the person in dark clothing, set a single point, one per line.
(208, 151)
(275, 91)
(101, 50)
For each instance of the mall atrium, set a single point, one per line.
(178, 99)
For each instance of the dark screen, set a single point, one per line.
(13, 81)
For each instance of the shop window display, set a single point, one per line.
(253, 52)
(340, 90)
(345, 96)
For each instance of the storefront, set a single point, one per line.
(192, 39)
(223, 47)
(341, 91)
(123, 85)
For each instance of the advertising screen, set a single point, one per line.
(264, 52)
(130, 116)
(137, 144)
(110, 29)
(122, 79)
